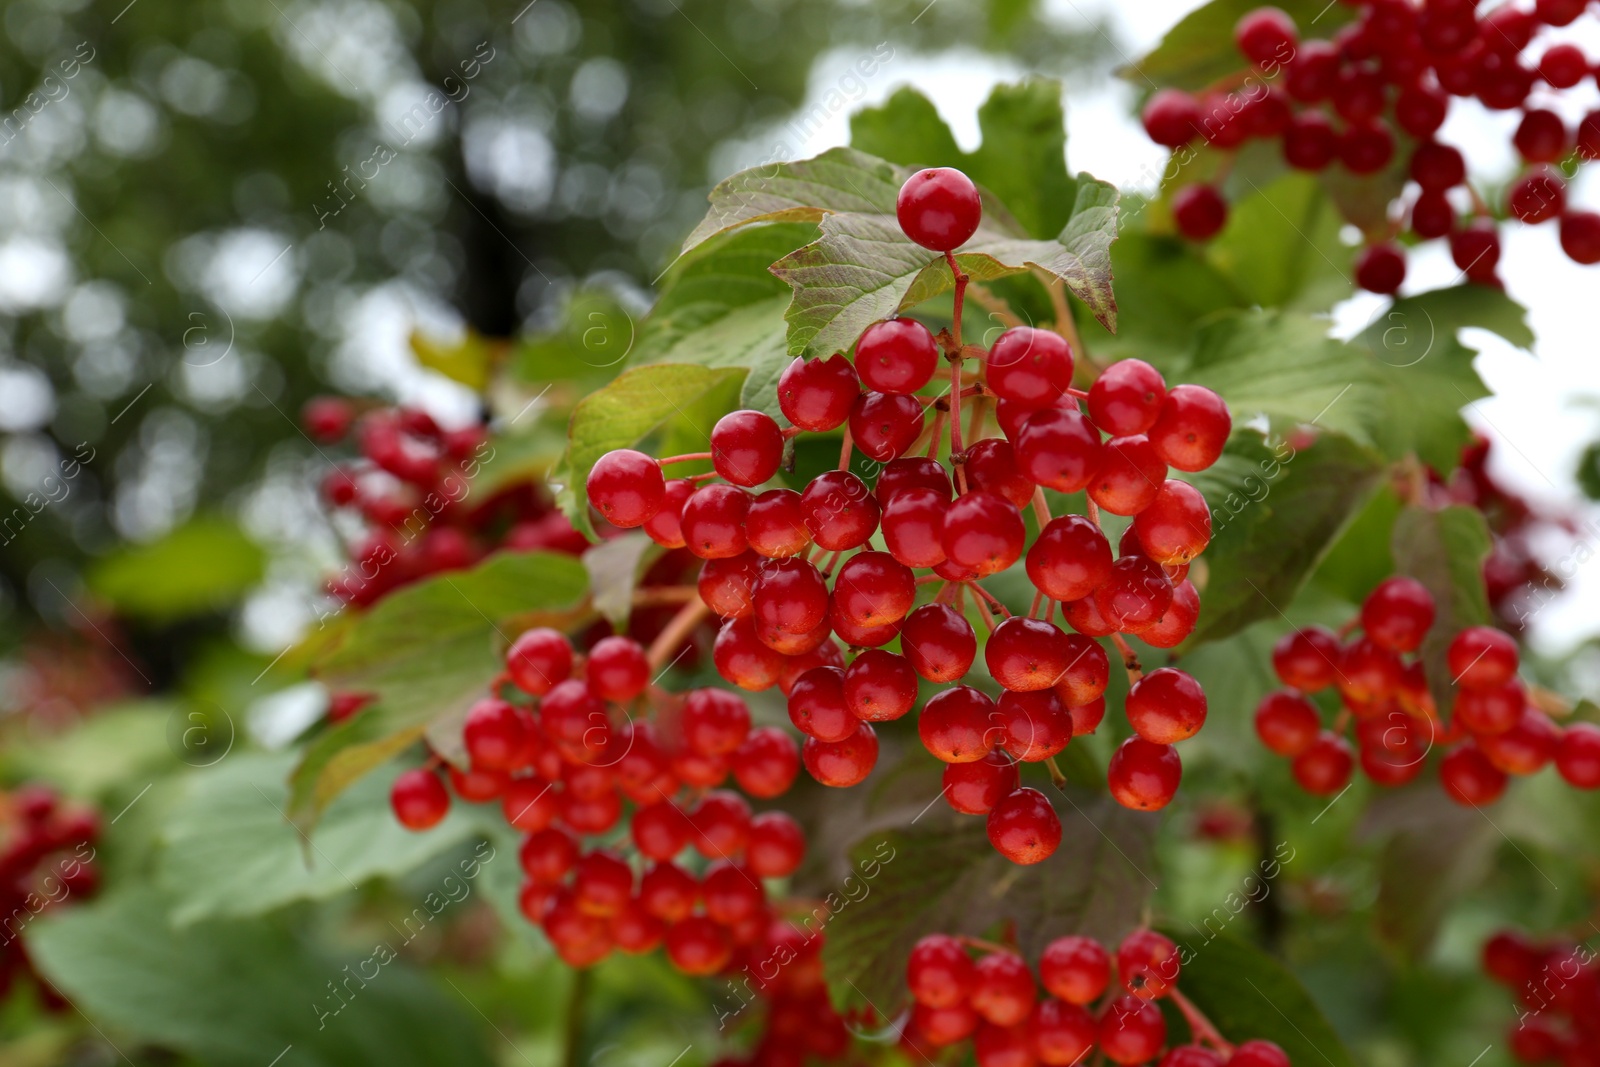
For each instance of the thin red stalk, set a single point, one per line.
(986, 595)
(844, 450)
(1200, 1026)
(687, 457)
(1130, 658)
(676, 632)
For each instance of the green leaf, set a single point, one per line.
(1165, 287)
(1284, 366)
(467, 360)
(941, 875)
(1429, 370)
(1276, 509)
(1248, 994)
(590, 337)
(1281, 247)
(1445, 550)
(1434, 852)
(636, 404)
(864, 269)
(1200, 49)
(614, 568)
(243, 992)
(204, 565)
(905, 129)
(427, 651)
(720, 306)
(231, 850)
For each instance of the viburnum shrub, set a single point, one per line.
(1370, 103)
(1495, 725)
(1094, 1002)
(962, 462)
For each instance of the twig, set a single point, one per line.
(676, 632)
(995, 305)
(1130, 658)
(1199, 1025)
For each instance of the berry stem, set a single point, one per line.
(664, 594)
(676, 632)
(989, 597)
(1130, 658)
(1033, 609)
(1063, 322)
(938, 431)
(961, 292)
(1058, 777)
(577, 1008)
(1041, 507)
(981, 945)
(975, 420)
(1200, 1026)
(844, 450)
(687, 457)
(996, 306)
(1548, 701)
(927, 578)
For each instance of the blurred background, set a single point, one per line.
(211, 212)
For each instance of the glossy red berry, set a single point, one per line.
(1482, 657)
(955, 725)
(1524, 749)
(817, 394)
(538, 660)
(713, 521)
(1310, 143)
(1024, 828)
(880, 686)
(766, 763)
(1003, 990)
(1537, 197)
(1398, 613)
(975, 788)
(1191, 428)
(938, 643)
(1135, 596)
(1059, 449)
(883, 425)
(1307, 659)
(1563, 66)
(939, 208)
(1144, 776)
(790, 595)
(1131, 1030)
(1580, 236)
(1026, 654)
(1176, 526)
(1130, 478)
(743, 658)
(1438, 167)
(1032, 726)
(668, 892)
(1475, 250)
(1199, 211)
(1381, 268)
(992, 467)
(1266, 36)
(493, 734)
(896, 356)
(1258, 1053)
(943, 1026)
(817, 706)
(1127, 397)
(1030, 366)
(1171, 118)
(1287, 723)
(617, 669)
(1541, 137)
(1421, 109)
(548, 855)
(983, 532)
(1578, 755)
(777, 845)
(1148, 964)
(842, 763)
(665, 526)
(1432, 215)
(746, 447)
(1087, 672)
(419, 799)
(626, 487)
(698, 946)
(1075, 969)
(1366, 147)
(913, 526)
(840, 512)
(1166, 706)
(939, 972)
(1324, 767)
(1062, 1034)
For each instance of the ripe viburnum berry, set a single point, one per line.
(939, 208)
(626, 487)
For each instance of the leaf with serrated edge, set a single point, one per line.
(1445, 550)
(614, 567)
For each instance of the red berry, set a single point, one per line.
(660, 830)
(842, 763)
(1398, 613)
(1559, 12)
(1287, 723)
(1030, 366)
(879, 686)
(493, 734)
(1191, 1056)
(1087, 672)
(1148, 964)
(975, 788)
(817, 394)
(777, 845)
(479, 785)
(1144, 776)
(721, 824)
(529, 804)
(626, 487)
(1511, 959)
(746, 447)
(1199, 211)
(1166, 706)
(1176, 527)
(1381, 268)
(939, 972)
(1136, 595)
(1537, 197)
(1476, 250)
(1032, 726)
(1307, 659)
(1002, 1046)
(1578, 757)
(1069, 559)
(955, 725)
(992, 467)
(1059, 449)
(327, 418)
(1076, 969)
(883, 425)
(665, 527)
(715, 722)
(668, 892)
(1171, 118)
(1324, 768)
(1421, 109)
(913, 526)
(817, 706)
(1310, 142)
(726, 585)
(1563, 66)
(943, 1026)
(698, 946)
(1130, 478)
(1580, 236)
(1312, 71)
(743, 659)
(896, 356)
(1131, 1030)
(1023, 827)
(1127, 397)
(1437, 167)
(548, 855)
(939, 644)
(1366, 147)
(539, 659)
(1062, 1034)
(419, 799)
(1482, 657)
(1266, 36)
(601, 884)
(635, 930)
(983, 532)
(1258, 1053)
(730, 893)
(1490, 711)
(840, 511)
(766, 764)
(911, 472)
(1526, 747)
(1192, 428)
(1003, 990)
(939, 208)
(1541, 137)
(713, 521)
(790, 594)
(617, 669)
(1432, 215)
(1177, 623)
(581, 940)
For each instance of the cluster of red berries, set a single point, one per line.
(799, 1023)
(1399, 64)
(770, 554)
(1557, 985)
(566, 763)
(1494, 729)
(1518, 582)
(412, 488)
(994, 1000)
(48, 859)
